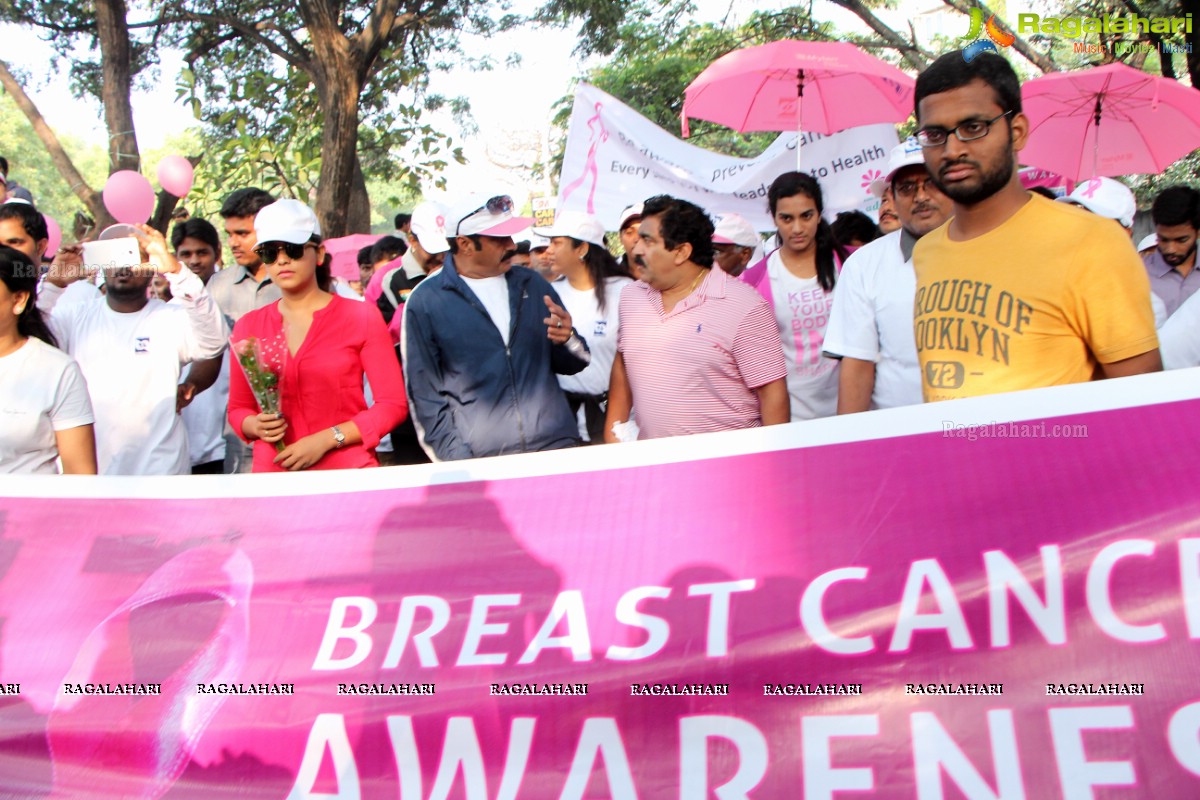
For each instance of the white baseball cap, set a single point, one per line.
(735, 229)
(536, 242)
(1104, 197)
(634, 210)
(1148, 242)
(906, 154)
(429, 226)
(286, 221)
(481, 215)
(575, 224)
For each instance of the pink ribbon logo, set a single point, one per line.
(1092, 186)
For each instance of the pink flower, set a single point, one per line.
(870, 176)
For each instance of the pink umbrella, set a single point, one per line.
(344, 251)
(801, 86)
(1110, 120)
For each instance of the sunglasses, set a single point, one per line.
(501, 204)
(269, 252)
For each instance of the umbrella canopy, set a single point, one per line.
(344, 251)
(802, 86)
(1110, 120)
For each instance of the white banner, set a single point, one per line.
(616, 157)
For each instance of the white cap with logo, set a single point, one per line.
(629, 213)
(481, 215)
(429, 226)
(1105, 197)
(906, 154)
(286, 221)
(735, 229)
(576, 225)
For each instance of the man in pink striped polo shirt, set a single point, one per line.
(697, 350)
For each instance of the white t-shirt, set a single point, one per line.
(41, 391)
(802, 314)
(600, 332)
(204, 418)
(493, 293)
(1179, 336)
(132, 364)
(872, 320)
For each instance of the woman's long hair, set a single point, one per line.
(601, 265)
(790, 184)
(19, 274)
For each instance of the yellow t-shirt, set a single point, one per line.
(1036, 302)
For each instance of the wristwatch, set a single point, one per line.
(339, 438)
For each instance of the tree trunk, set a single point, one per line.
(116, 55)
(339, 75)
(62, 162)
(342, 205)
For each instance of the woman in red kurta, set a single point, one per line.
(324, 346)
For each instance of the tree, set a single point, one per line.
(345, 61)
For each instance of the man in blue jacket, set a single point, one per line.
(482, 342)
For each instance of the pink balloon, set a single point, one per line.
(53, 235)
(175, 174)
(129, 197)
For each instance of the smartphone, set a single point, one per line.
(111, 254)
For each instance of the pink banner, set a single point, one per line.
(972, 608)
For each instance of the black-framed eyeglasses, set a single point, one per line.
(967, 131)
(269, 252)
(500, 204)
(910, 188)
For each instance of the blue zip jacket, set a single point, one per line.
(470, 395)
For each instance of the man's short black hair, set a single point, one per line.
(854, 226)
(402, 220)
(4, 165)
(33, 222)
(681, 222)
(195, 228)
(245, 203)
(388, 248)
(952, 71)
(523, 247)
(364, 256)
(1176, 205)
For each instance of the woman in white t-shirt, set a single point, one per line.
(797, 281)
(590, 289)
(43, 397)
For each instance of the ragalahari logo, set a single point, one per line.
(995, 35)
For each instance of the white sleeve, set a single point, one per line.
(60, 317)
(853, 331)
(1179, 337)
(207, 335)
(72, 406)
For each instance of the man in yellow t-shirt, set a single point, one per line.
(1015, 291)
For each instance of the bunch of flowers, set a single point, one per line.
(262, 363)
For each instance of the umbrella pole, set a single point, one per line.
(799, 119)
(1096, 139)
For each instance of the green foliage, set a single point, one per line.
(656, 58)
(30, 164)
(262, 119)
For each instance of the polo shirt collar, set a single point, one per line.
(1157, 265)
(246, 274)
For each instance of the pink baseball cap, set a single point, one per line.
(480, 215)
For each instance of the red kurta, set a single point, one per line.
(322, 384)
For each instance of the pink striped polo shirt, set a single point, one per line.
(695, 370)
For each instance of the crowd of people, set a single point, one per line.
(459, 342)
